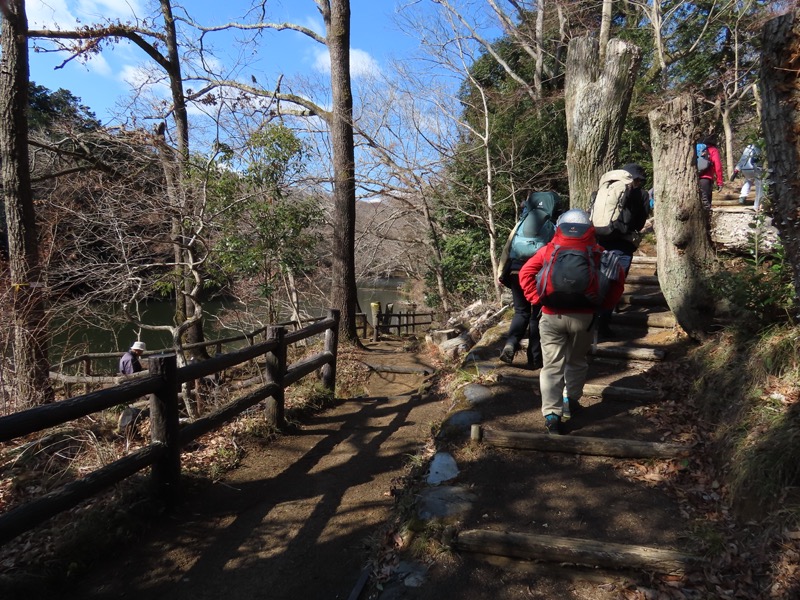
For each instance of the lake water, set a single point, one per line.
(103, 337)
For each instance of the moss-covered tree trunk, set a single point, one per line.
(597, 100)
(685, 255)
(780, 64)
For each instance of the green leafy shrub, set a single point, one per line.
(760, 284)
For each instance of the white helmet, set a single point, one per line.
(138, 346)
(574, 223)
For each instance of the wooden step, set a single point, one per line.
(644, 260)
(601, 390)
(578, 444)
(642, 280)
(558, 549)
(651, 299)
(665, 320)
(641, 289)
(628, 353)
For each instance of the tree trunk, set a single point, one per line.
(185, 306)
(343, 273)
(31, 335)
(538, 71)
(596, 107)
(684, 248)
(780, 63)
(605, 27)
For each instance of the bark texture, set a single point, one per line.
(336, 14)
(30, 332)
(780, 65)
(684, 248)
(597, 100)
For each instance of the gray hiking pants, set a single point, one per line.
(565, 343)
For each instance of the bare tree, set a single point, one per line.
(31, 335)
(685, 256)
(89, 39)
(781, 121)
(339, 120)
(408, 140)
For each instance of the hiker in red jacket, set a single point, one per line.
(710, 175)
(571, 292)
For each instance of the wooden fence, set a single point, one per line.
(167, 437)
(401, 321)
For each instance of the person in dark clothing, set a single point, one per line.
(635, 212)
(525, 321)
(129, 363)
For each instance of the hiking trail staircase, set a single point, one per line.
(590, 498)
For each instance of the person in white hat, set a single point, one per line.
(129, 363)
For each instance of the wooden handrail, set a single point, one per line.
(227, 340)
(162, 383)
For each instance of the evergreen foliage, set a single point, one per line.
(708, 48)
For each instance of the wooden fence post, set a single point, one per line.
(332, 346)
(87, 371)
(276, 369)
(375, 307)
(164, 426)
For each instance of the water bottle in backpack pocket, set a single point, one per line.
(703, 163)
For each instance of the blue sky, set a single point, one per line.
(108, 77)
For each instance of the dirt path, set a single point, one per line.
(553, 494)
(302, 517)
(299, 518)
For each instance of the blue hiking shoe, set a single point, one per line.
(552, 423)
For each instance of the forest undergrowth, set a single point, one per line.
(736, 400)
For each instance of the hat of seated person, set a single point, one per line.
(138, 346)
(574, 223)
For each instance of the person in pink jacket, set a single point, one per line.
(712, 174)
(566, 326)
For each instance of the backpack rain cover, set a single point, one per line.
(536, 226)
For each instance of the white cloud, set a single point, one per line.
(315, 25)
(43, 14)
(66, 13)
(99, 65)
(143, 79)
(361, 63)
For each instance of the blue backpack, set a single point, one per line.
(702, 157)
(536, 226)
